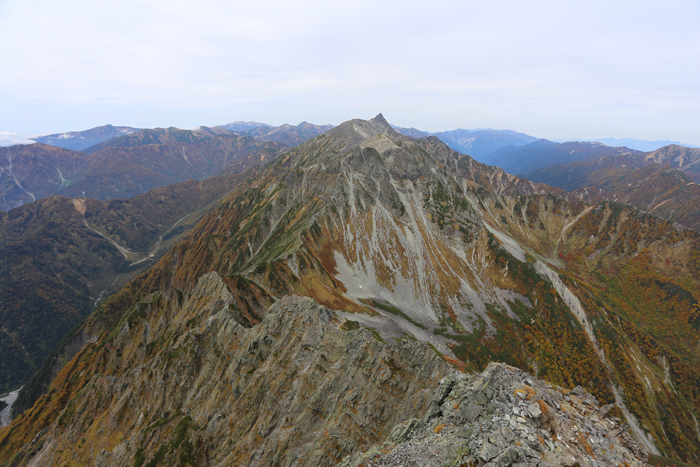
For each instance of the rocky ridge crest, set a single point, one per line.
(503, 417)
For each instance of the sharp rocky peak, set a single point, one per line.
(356, 133)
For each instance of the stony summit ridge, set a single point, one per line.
(502, 416)
(346, 303)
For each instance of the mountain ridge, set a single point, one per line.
(636, 179)
(415, 241)
(151, 159)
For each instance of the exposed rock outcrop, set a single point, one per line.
(503, 417)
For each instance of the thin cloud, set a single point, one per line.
(587, 68)
(8, 138)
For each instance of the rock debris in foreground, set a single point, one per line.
(503, 417)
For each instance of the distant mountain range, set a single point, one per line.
(288, 134)
(125, 166)
(638, 144)
(121, 163)
(79, 140)
(542, 153)
(476, 143)
(244, 126)
(663, 182)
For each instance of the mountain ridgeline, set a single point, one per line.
(125, 166)
(123, 162)
(414, 260)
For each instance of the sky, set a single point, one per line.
(554, 69)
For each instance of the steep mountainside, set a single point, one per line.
(542, 153)
(60, 258)
(79, 140)
(34, 171)
(631, 179)
(405, 238)
(124, 172)
(149, 159)
(304, 387)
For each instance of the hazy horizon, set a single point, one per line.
(552, 70)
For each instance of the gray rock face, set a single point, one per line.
(503, 417)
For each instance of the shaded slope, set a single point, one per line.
(60, 257)
(145, 160)
(34, 171)
(124, 172)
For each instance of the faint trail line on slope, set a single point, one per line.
(152, 254)
(657, 206)
(585, 211)
(80, 207)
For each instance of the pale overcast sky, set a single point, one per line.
(554, 69)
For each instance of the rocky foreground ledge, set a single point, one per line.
(504, 417)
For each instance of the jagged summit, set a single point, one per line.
(354, 133)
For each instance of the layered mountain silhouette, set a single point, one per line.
(477, 143)
(405, 262)
(80, 140)
(125, 166)
(290, 135)
(638, 144)
(662, 182)
(124, 162)
(542, 153)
